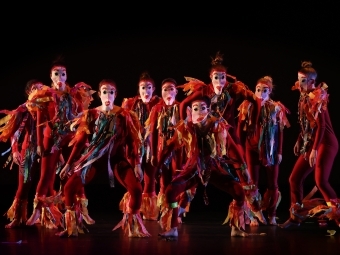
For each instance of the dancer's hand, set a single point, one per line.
(17, 157)
(138, 172)
(154, 162)
(312, 157)
(246, 176)
(297, 148)
(279, 158)
(251, 130)
(64, 171)
(40, 150)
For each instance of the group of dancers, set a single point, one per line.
(221, 134)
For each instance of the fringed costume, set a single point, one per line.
(55, 110)
(210, 153)
(262, 150)
(159, 128)
(149, 208)
(19, 126)
(116, 133)
(316, 134)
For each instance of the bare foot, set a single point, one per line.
(179, 220)
(50, 225)
(254, 222)
(15, 223)
(88, 219)
(64, 233)
(289, 224)
(272, 220)
(170, 233)
(238, 232)
(260, 217)
(34, 217)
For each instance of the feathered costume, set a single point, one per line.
(19, 126)
(55, 110)
(159, 129)
(142, 110)
(206, 147)
(267, 143)
(113, 133)
(311, 105)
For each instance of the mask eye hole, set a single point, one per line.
(56, 73)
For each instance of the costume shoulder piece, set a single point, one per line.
(11, 122)
(132, 125)
(238, 88)
(38, 98)
(245, 110)
(155, 100)
(318, 99)
(281, 113)
(128, 102)
(192, 85)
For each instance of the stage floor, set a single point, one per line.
(200, 233)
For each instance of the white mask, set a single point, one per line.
(35, 87)
(199, 111)
(59, 77)
(218, 80)
(303, 81)
(262, 91)
(107, 96)
(169, 93)
(146, 90)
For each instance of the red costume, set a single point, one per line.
(317, 146)
(55, 110)
(163, 117)
(142, 108)
(114, 131)
(205, 144)
(20, 126)
(264, 149)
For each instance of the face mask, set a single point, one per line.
(262, 91)
(107, 96)
(199, 111)
(303, 81)
(145, 91)
(59, 77)
(35, 87)
(218, 80)
(169, 93)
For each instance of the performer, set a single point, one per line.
(316, 148)
(264, 149)
(224, 97)
(114, 130)
(57, 107)
(142, 105)
(83, 93)
(163, 117)
(206, 140)
(19, 126)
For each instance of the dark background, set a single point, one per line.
(119, 42)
